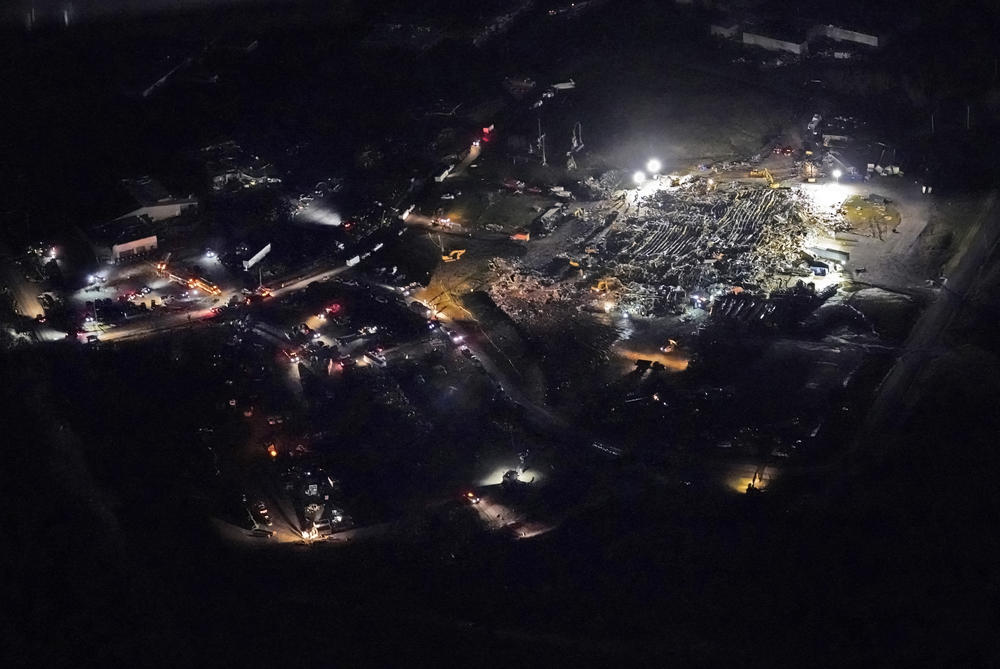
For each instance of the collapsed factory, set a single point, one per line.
(675, 243)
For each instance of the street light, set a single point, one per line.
(639, 178)
(837, 174)
(654, 166)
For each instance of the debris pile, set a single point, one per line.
(649, 252)
(524, 294)
(602, 187)
(688, 237)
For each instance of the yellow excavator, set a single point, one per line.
(606, 284)
(453, 255)
(764, 173)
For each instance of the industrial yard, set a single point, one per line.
(615, 332)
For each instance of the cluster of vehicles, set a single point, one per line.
(133, 295)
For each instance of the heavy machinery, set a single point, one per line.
(809, 171)
(163, 269)
(606, 284)
(452, 256)
(764, 173)
(193, 283)
(162, 265)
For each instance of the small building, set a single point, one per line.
(777, 41)
(139, 247)
(841, 34)
(154, 201)
(151, 211)
(123, 239)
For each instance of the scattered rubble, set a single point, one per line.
(646, 254)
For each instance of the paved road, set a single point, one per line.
(504, 373)
(319, 275)
(474, 152)
(157, 324)
(897, 390)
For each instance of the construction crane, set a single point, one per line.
(541, 143)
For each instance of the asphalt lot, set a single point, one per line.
(897, 391)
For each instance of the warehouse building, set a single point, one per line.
(151, 211)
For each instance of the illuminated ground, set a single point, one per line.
(868, 217)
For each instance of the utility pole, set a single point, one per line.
(968, 117)
(541, 142)
(932, 123)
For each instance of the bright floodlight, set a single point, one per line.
(639, 178)
(653, 166)
(837, 174)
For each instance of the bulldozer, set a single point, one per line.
(453, 255)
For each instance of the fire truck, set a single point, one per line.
(193, 283)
